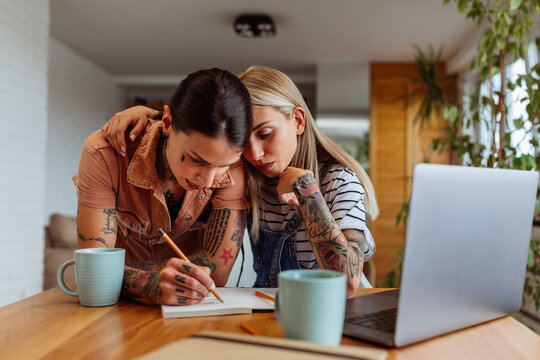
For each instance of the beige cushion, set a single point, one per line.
(63, 231)
(54, 258)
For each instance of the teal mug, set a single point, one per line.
(98, 275)
(310, 305)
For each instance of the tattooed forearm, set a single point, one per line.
(202, 260)
(357, 242)
(110, 222)
(215, 230)
(239, 228)
(332, 249)
(139, 284)
(84, 238)
(226, 255)
(320, 223)
(147, 265)
(329, 256)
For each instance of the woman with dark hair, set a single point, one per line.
(185, 176)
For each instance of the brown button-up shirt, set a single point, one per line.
(107, 180)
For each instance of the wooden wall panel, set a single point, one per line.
(396, 146)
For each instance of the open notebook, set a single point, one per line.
(236, 301)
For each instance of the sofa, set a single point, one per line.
(60, 242)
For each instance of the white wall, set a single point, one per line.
(247, 276)
(24, 34)
(343, 88)
(82, 97)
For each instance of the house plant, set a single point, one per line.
(498, 124)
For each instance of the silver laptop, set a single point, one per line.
(465, 256)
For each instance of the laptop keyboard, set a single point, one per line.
(384, 320)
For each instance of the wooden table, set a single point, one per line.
(52, 325)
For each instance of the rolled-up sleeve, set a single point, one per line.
(232, 196)
(93, 181)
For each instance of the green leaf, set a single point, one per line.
(450, 113)
(530, 259)
(462, 6)
(514, 4)
(518, 123)
(528, 161)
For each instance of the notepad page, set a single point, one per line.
(235, 301)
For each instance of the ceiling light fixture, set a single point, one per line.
(254, 25)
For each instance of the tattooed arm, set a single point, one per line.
(95, 227)
(222, 241)
(334, 249)
(175, 282)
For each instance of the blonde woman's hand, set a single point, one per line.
(115, 129)
(285, 185)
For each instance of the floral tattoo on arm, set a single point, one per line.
(332, 249)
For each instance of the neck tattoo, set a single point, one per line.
(162, 165)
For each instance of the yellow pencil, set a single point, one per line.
(264, 296)
(184, 257)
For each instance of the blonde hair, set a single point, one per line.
(272, 88)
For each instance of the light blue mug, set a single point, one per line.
(310, 305)
(98, 274)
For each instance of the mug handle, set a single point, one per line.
(60, 278)
(276, 306)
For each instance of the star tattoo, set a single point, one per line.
(227, 254)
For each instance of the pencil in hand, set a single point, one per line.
(183, 257)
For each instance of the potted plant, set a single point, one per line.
(498, 125)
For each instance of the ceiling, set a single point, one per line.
(173, 38)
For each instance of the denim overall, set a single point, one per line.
(274, 252)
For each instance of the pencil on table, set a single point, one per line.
(182, 256)
(264, 296)
(250, 329)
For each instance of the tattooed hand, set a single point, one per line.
(285, 185)
(178, 283)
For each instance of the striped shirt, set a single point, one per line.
(344, 195)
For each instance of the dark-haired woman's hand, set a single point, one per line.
(176, 282)
(286, 181)
(183, 283)
(116, 128)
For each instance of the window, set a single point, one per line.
(520, 137)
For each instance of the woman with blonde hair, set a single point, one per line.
(309, 198)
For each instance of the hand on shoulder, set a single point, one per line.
(117, 127)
